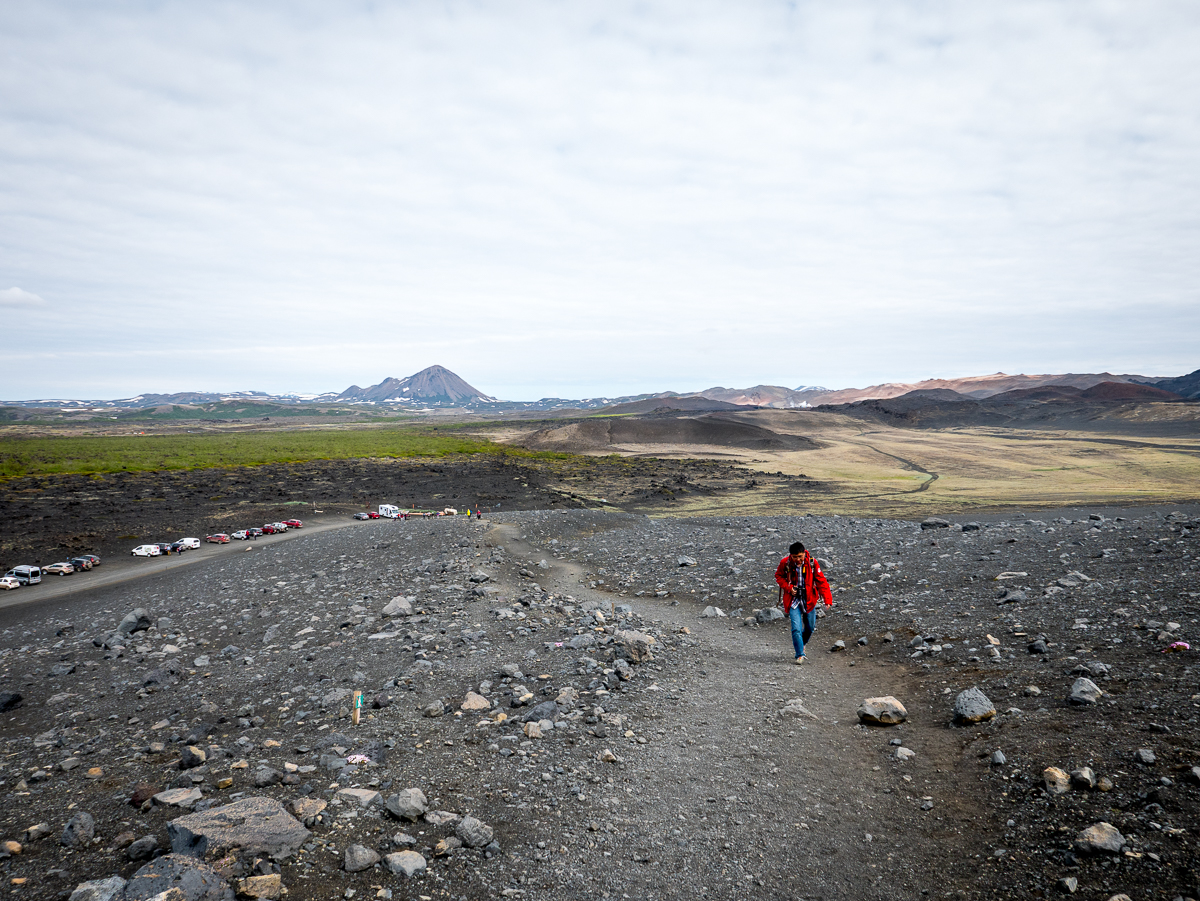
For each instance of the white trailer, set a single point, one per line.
(389, 511)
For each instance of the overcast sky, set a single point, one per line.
(579, 199)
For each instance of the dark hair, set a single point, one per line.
(796, 548)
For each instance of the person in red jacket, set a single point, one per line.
(801, 584)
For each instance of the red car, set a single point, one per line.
(372, 514)
(293, 523)
(219, 538)
(269, 529)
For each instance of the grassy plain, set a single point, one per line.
(25, 456)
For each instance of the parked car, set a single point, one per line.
(190, 544)
(218, 538)
(269, 529)
(280, 526)
(293, 523)
(26, 575)
(177, 547)
(147, 550)
(362, 515)
(166, 547)
(371, 514)
(8, 583)
(81, 564)
(239, 535)
(255, 533)
(92, 557)
(58, 569)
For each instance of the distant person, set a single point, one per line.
(801, 584)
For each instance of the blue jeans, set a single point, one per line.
(803, 624)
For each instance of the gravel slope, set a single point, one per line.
(685, 774)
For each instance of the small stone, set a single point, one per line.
(533, 730)
(1057, 781)
(178, 797)
(433, 710)
(358, 858)
(1068, 885)
(10, 847)
(1100, 838)
(903, 754)
(885, 711)
(838, 645)
(265, 775)
(712, 612)
(768, 615)
(398, 606)
(405, 863)
(998, 758)
(973, 706)
(687, 561)
(1144, 756)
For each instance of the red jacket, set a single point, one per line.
(815, 585)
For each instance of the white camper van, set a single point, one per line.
(389, 511)
(26, 575)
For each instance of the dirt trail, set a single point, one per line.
(772, 805)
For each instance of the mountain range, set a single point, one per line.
(437, 388)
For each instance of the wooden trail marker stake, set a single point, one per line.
(357, 707)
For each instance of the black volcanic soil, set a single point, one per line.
(668, 428)
(686, 775)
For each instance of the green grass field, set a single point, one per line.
(143, 453)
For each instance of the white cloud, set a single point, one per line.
(16, 298)
(571, 195)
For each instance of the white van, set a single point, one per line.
(190, 543)
(26, 575)
(389, 511)
(147, 550)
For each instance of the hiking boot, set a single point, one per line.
(800, 660)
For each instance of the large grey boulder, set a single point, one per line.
(885, 711)
(768, 615)
(934, 522)
(973, 706)
(254, 825)
(547, 710)
(195, 880)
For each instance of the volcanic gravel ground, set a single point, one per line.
(709, 767)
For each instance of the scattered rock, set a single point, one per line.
(1084, 692)
(885, 711)
(79, 831)
(252, 825)
(405, 863)
(193, 878)
(1084, 777)
(475, 701)
(268, 887)
(712, 612)
(137, 620)
(409, 804)
(1145, 757)
(358, 858)
(473, 832)
(1056, 780)
(972, 706)
(1100, 838)
(99, 890)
